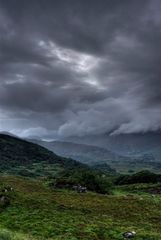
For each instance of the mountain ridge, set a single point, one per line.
(130, 145)
(15, 151)
(82, 152)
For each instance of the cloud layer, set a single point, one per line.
(80, 67)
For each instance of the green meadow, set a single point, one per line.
(37, 212)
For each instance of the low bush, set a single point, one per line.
(93, 180)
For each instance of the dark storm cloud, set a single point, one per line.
(80, 67)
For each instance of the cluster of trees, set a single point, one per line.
(93, 180)
(140, 177)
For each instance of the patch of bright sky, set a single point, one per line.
(78, 62)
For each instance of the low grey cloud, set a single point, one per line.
(80, 67)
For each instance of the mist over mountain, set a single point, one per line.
(123, 153)
(84, 153)
(124, 144)
(85, 72)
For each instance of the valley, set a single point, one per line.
(124, 153)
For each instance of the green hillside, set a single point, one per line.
(38, 212)
(25, 158)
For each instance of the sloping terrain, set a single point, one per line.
(40, 213)
(16, 153)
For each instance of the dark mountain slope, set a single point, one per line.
(17, 152)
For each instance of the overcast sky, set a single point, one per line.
(75, 68)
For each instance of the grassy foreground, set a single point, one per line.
(37, 212)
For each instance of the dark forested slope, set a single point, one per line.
(15, 152)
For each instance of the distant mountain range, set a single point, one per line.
(87, 154)
(131, 145)
(130, 152)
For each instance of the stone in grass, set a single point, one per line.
(129, 234)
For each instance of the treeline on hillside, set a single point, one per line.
(140, 177)
(92, 180)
